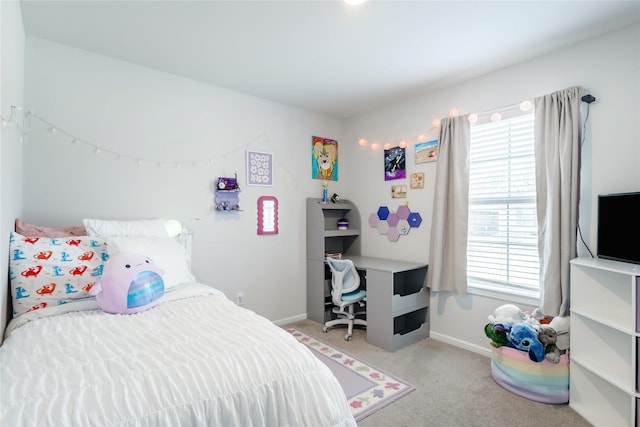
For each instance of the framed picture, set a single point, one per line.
(427, 151)
(324, 158)
(399, 191)
(259, 168)
(417, 180)
(395, 163)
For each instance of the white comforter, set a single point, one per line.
(196, 359)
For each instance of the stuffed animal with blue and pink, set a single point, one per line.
(130, 283)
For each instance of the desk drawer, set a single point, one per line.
(404, 304)
(410, 328)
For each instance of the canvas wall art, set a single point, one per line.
(426, 151)
(395, 163)
(417, 180)
(324, 158)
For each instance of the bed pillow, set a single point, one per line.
(32, 230)
(47, 271)
(166, 253)
(141, 227)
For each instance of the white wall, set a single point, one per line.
(11, 93)
(150, 115)
(608, 67)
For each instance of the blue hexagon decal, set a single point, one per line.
(383, 212)
(414, 219)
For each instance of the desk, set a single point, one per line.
(397, 301)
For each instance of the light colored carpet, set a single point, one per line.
(453, 387)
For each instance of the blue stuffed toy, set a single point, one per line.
(525, 337)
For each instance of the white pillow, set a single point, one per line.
(141, 227)
(165, 252)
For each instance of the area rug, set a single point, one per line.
(367, 389)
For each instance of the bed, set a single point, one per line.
(194, 359)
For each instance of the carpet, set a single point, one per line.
(367, 389)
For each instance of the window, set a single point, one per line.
(502, 251)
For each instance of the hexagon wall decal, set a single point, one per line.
(383, 212)
(373, 220)
(395, 224)
(383, 227)
(393, 234)
(393, 219)
(403, 227)
(403, 212)
(414, 219)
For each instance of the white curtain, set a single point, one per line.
(448, 246)
(557, 151)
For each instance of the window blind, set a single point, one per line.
(502, 249)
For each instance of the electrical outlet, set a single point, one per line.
(240, 298)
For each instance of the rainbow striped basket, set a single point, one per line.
(544, 382)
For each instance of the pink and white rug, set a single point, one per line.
(367, 389)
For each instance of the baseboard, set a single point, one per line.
(483, 351)
(461, 344)
(288, 320)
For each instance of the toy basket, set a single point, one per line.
(544, 382)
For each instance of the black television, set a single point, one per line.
(619, 227)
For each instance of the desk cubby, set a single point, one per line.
(323, 237)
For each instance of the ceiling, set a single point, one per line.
(325, 56)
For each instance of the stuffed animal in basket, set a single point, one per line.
(497, 334)
(129, 283)
(548, 337)
(524, 337)
(507, 314)
(561, 324)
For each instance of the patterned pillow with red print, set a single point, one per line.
(48, 271)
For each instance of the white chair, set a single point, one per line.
(345, 294)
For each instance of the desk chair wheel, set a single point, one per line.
(325, 329)
(348, 337)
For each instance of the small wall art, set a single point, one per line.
(398, 191)
(395, 163)
(426, 151)
(417, 180)
(324, 158)
(259, 168)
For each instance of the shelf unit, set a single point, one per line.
(324, 237)
(227, 200)
(605, 341)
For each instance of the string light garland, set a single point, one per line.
(102, 150)
(374, 145)
(12, 122)
(495, 116)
